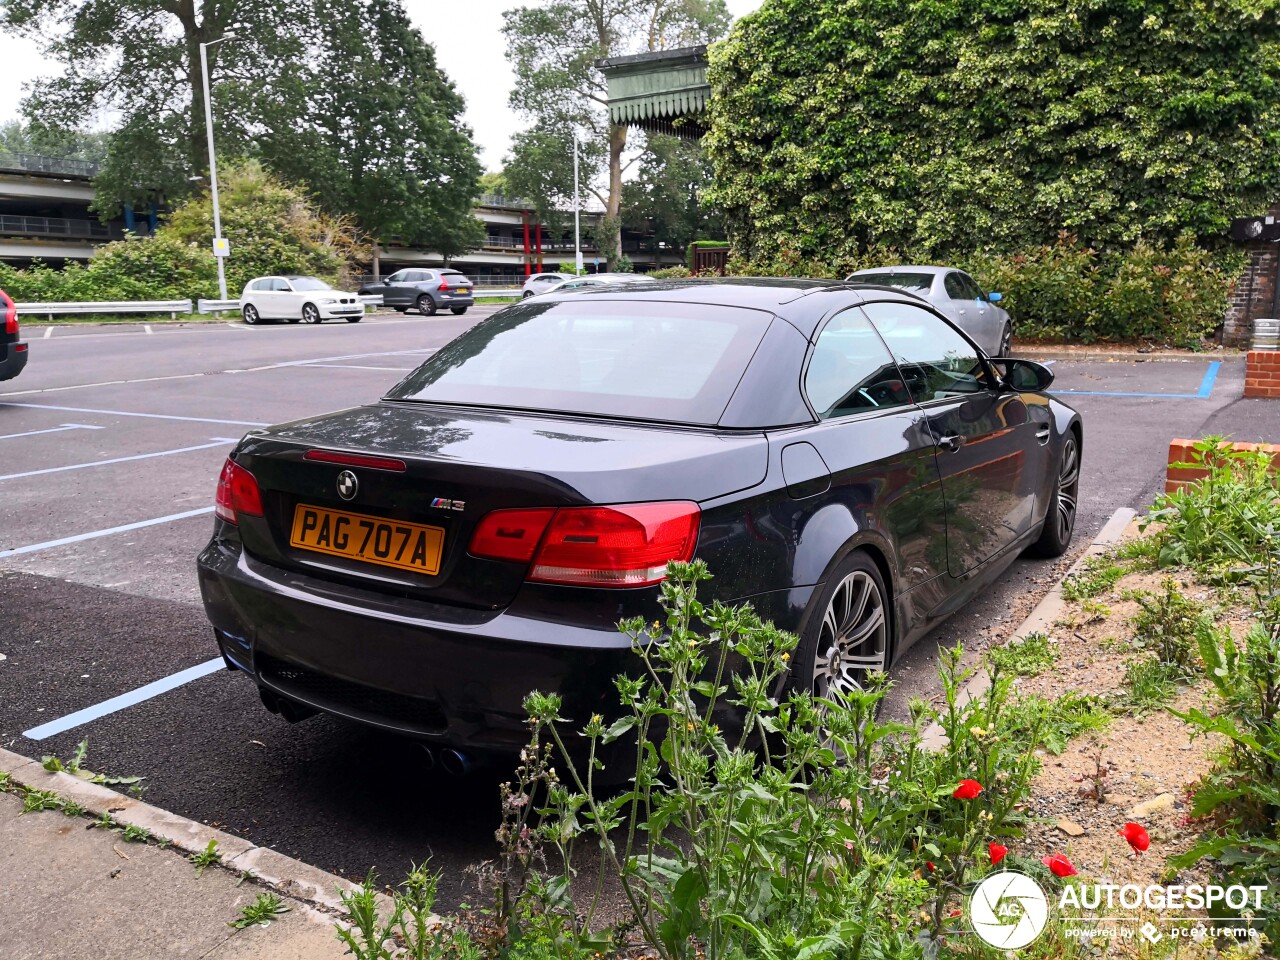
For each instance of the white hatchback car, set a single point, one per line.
(295, 298)
(541, 283)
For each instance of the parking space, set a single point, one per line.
(110, 444)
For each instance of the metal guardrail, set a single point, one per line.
(50, 310)
(58, 227)
(35, 163)
(217, 307)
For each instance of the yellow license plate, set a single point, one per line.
(390, 543)
(462, 289)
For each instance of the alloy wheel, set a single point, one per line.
(250, 314)
(310, 314)
(853, 640)
(1006, 342)
(1068, 487)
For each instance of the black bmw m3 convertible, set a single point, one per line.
(840, 455)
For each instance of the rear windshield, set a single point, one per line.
(675, 362)
(915, 282)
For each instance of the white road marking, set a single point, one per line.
(95, 534)
(125, 413)
(115, 704)
(352, 366)
(99, 383)
(147, 327)
(65, 426)
(48, 332)
(216, 442)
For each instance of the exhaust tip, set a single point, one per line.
(455, 763)
(429, 756)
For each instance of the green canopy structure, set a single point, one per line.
(661, 92)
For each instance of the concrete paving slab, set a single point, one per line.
(80, 894)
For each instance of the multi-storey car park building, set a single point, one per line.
(45, 215)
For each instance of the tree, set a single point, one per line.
(553, 48)
(44, 140)
(665, 195)
(380, 134)
(139, 61)
(967, 124)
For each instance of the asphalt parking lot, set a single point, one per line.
(110, 443)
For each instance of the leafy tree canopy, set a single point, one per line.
(553, 48)
(664, 196)
(954, 125)
(344, 96)
(44, 140)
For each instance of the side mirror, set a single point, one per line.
(995, 297)
(386, 281)
(1025, 376)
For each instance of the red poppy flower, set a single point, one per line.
(997, 852)
(967, 790)
(1137, 836)
(1059, 865)
(929, 864)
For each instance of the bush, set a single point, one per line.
(805, 829)
(670, 273)
(696, 245)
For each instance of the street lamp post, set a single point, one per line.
(219, 248)
(577, 202)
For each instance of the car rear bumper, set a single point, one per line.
(13, 357)
(449, 300)
(457, 678)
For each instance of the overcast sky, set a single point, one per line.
(476, 62)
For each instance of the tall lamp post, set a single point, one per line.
(577, 202)
(220, 247)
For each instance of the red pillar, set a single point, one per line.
(539, 241)
(525, 217)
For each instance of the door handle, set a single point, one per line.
(951, 444)
(1043, 435)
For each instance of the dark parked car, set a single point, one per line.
(840, 455)
(424, 290)
(13, 352)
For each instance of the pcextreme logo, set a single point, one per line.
(1009, 910)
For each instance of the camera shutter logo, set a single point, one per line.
(1008, 910)
(348, 485)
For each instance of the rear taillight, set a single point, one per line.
(510, 534)
(625, 545)
(237, 493)
(444, 285)
(10, 315)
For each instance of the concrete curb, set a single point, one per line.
(1045, 615)
(1053, 353)
(293, 878)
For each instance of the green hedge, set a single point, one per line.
(1067, 291)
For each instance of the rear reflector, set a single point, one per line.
(237, 493)
(510, 534)
(20, 348)
(356, 460)
(626, 545)
(10, 313)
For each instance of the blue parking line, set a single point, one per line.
(1206, 388)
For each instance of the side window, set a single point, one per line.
(850, 371)
(935, 360)
(279, 284)
(954, 285)
(398, 276)
(260, 285)
(971, 288)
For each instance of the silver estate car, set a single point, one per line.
(954, 294)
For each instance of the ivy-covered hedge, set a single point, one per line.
(1172, 294)
(949, 126)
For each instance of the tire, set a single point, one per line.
(250, 314)
(426, 306)
(311, 313)
(848, 632)
(526, 295)
(458, 311)
(1006, 341)
(1060, 518)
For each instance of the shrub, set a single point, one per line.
(670, 273)
(798, 828)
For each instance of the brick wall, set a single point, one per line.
(1262, 374)
(1183, 451)
(1254, 293)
